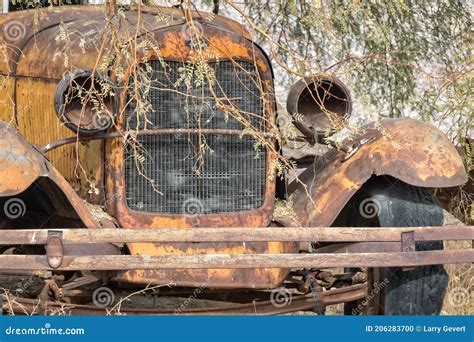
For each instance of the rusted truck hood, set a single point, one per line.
(31, 36)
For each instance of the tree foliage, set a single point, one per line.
(401, 57)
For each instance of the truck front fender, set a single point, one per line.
(24, 169)
(412, 151)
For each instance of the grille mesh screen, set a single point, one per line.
(231, 175)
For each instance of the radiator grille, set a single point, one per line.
(232, 175)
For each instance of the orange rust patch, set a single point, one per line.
(413, 151)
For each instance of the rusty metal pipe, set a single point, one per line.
(71, 140)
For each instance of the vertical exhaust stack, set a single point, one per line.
(321, 101)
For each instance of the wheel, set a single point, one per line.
(388, 202)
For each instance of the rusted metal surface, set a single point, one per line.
(29, 72)
(408, 245)
(313, 98)
(238, 261)
(407, 256)
(228, 45)
(53, 145)
(21, 164)
(30, 90)
(408, 241)
(298, 234)
(32, 69)
(411, 151)
(415, 152)
(30, 52)
(320, 299)
(35, 117)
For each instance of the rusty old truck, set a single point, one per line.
(123, 165)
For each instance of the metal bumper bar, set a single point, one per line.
(399, 242)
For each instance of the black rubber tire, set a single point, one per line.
(419, 291)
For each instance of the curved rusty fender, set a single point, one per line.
(410, 150)
(21, 164)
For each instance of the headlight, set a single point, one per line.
(320, 100)
(87, 103)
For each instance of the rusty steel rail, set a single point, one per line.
(57, 259)
(293, 234)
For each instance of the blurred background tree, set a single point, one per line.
(400, 58)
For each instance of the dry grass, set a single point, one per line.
(335, 310)
(461, 282)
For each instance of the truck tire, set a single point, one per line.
(391, 203)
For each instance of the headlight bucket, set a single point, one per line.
(318, 98)
(87, 102)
